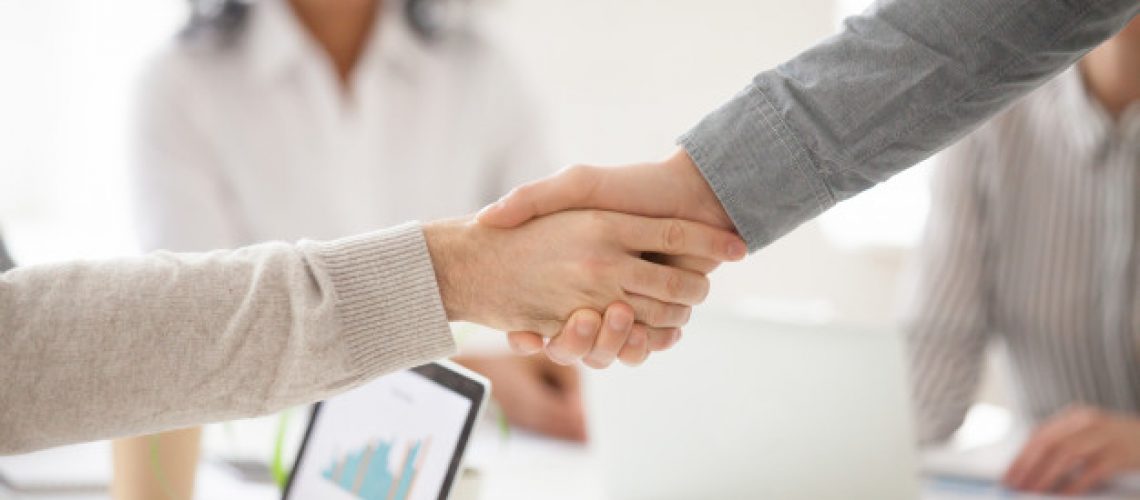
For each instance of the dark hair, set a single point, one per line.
(224, 20)
(221, 20)
(5, 261)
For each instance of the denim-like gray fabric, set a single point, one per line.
(5, 260)
(902, 81)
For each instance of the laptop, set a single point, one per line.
(399, 437)
(748, 409)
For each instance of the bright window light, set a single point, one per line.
(890, 215)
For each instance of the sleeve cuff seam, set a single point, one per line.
(801, 160)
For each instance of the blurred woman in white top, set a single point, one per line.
(255, 104)
(262, 115)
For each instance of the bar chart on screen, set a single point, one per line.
(379, 470)
(393, 439)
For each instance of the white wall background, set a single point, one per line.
(627, 77)
(623, 77)
(66, 68)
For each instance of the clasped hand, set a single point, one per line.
(636, 242)
(1076, 451)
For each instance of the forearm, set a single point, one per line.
(945, 374)
(103, 349)
(897, 85)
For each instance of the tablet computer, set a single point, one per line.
(399, 437)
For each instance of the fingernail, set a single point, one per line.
(586, 327)
(620, 321)
(557, 356)
(737, 250)
(636, 340)
(598, 361)
(519, 348)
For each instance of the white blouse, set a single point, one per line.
(258, 140)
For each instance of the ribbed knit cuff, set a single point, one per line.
(387, 299)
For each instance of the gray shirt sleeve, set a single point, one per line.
(902, 81)
(100, 349)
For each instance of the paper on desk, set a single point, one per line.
(985, 465)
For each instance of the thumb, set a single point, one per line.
(565, 190)
(505, 213)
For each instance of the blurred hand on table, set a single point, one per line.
(535, 393)
(1076, 451)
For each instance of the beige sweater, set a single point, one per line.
(92, 350)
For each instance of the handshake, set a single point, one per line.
(635, 242)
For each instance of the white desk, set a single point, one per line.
(528, 467)
(519, 467)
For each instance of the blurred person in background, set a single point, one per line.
(793, 184)
(1032, 239)
(5, 259)
(289, 119)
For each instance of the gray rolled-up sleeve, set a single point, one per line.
(900, 82)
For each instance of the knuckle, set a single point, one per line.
(593, 298)
(674, 285)
(576, 171)
(595, 267)
(523, 191)
(673, 316)
(583, 178)
(1086, 417)
(547, 328)
(655, 315)
(599, 220)
(594, 363)
(703, 288)
(685, 314)
(673, 238)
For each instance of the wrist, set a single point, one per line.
(704, 201)
(448, 243)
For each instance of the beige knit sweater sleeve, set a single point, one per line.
(92, 350)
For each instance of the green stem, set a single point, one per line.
(277, 467)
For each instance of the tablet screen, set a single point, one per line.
(395, 438)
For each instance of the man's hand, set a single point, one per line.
(535, 393)
(617, 338)
(671, 188)
(1076, 451)
(534, 276)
